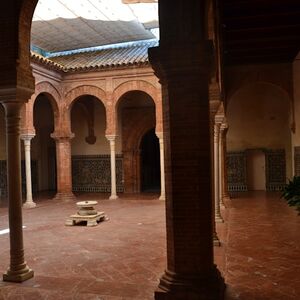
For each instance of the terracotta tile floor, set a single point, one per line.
(123, 258)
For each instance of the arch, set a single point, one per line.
(243, 85)
(142, 86)
(131, 153)
(150, 162)
(54, 98)
(135, 85)
(271, 84)
(260, 115)
(84, 90)
(24, 31)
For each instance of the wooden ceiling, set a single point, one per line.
(256, 31)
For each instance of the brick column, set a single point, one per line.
(64, 166)
(182, 63)
(18, 270)
(162, 166)
(112, 141)
(29, 201)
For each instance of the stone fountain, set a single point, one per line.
(86, 213)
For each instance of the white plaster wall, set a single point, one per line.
(259, 117)
(80, 129)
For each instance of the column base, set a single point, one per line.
(29, 205)
(66, 197)
(216, 241)
(219, 219)
(18, 276)
(174, 287)
(162, 198)
(113, 197)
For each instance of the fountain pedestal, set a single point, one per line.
(86, 213)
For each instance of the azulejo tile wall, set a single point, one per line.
(275, 170)
(91, 173)
(3, 177)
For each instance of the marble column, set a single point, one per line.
(182, 62)
(218, 217)
(112, 143)
(18, 270)
(213, 109)
(226, 195)
(162, 166)
(221, 165)
(64, 166)
(27, 148)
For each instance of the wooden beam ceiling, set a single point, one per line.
(255, 31)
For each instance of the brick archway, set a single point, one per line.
(142, 86)
(54, 98)
(79, 91)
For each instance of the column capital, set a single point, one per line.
(15, 94)
(170, 63)
(61, 136)
(27, 136)
(160, 135)
(111, 137)
(223, 127)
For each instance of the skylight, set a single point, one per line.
(64, 25)
(104, 10)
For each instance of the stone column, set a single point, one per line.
(226, 195)
(18, 270)
(182, 63)
(112, 143)
(218, 217)
(64, 166)
(29, 201)
(222, 163)
(162, 166)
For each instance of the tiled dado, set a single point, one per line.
(297, 160)
(91, 173)
(275, 170)
(3, 177)
(237, 171)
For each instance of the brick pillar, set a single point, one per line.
(182, 63)
(64, 166)
(18, 270)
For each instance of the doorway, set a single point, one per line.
(256, 170)
(150, 162)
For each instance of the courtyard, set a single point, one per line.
(124, 257)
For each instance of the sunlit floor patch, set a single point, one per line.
(5, 231)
